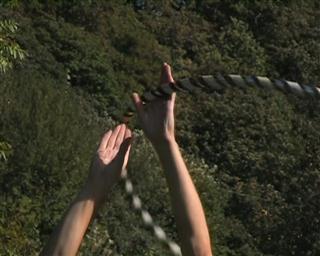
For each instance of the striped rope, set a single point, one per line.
(147, 218)
(219, 83)
(208, 84)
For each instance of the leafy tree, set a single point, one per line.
(254, 155)
(10, 50)
(5, 150)
(53, 135)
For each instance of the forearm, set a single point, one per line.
(189, 214)
(110, 158)
(67, 237)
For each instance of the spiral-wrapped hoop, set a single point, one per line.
(219, 83)
(208, 84)
(147, 218)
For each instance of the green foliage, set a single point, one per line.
(5, 150)
(240, 51)
(253, 155)
(9, 49)
(52, 133)
(258, 141)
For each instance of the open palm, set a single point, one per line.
(112, 156)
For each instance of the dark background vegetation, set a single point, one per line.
(254, 156)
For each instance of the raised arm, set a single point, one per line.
(109, 160)
(157, 120)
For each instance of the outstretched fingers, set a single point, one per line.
(113, 137)
(166, 77)
(104, 141)
(120, 136)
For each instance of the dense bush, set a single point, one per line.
(254, 155)
(52, 133)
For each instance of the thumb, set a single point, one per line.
(166, 75)
(138, 104)
(125, 146)
(126, 149)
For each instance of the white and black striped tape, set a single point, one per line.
(147, 218)
(219, 83)
(208, 84)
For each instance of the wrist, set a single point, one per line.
(164, 145)
(95, 191)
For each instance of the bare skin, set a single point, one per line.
(109, 161)
(157, 120)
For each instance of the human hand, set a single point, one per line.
(110, 159)
(157, 117)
